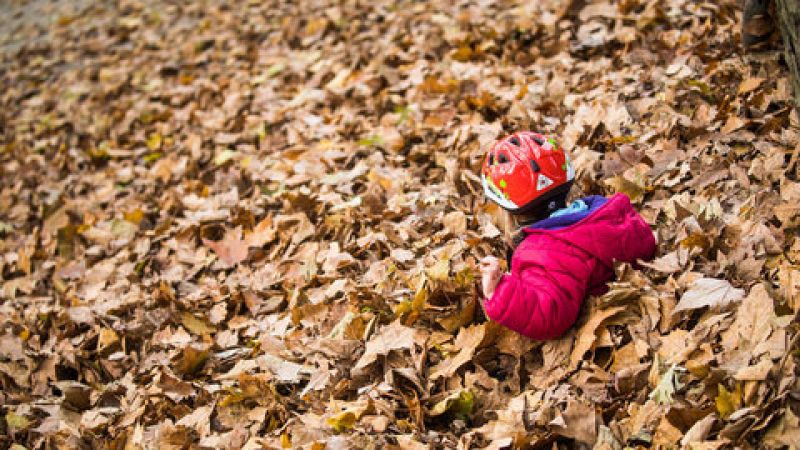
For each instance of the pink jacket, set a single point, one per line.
(553, 270)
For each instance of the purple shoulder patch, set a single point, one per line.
(554, 223)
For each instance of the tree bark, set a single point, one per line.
(788, 12)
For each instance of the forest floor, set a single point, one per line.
(255, 224)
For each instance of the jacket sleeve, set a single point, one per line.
(645, 248)
(541, 303)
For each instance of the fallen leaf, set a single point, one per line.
(439, 271)
(455, 222)
(284, 371)
(394, 336)
(459, 404)
(467, 342)
(749, 85)
(757, 372)
(632, 189)
(232, 249)
(402, 255)
(728, 402)
(199, 420)
(666, 387)
(580, 422)
(107, 339)
(708, 292)
(195, 325)
(192, 359)
(732, 124)
(588, 333)
(16, 421)
(699, 431)
(785, 431)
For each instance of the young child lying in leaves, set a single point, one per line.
(562, 253)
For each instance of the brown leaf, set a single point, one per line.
(192, 359)
(394, 336)
(232, 249)
(785, 431)
(708, 292)
(588, 332)
(621, 184)
(107, 339)
(467, 342)
(732, 124)
(199, 419)
(757, 372)
(455, 222)
(262, 233)
(580, 422)
(195, 325)
(749, 85)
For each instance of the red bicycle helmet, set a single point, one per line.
(525, 170)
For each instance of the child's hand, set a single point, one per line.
(490, 275)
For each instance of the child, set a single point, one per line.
(565, 253)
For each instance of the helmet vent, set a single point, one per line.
(502, 158)
(514, 140)
(538, 140)
(535, 166)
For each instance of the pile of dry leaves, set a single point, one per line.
(255, 224)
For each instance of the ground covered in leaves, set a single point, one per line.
(256, 224)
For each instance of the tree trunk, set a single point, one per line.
(788, 12)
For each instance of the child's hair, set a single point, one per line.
(513, 223)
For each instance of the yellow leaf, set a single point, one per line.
(16, 421)
(286, 441)
(463, 53)
(224, 156)
(728, 402)
(419, 302)
(696, 240)
(440, 270)
(402, 308)
(25, 334)
(195, 325)
(627, 187)
(231, 399)
(315, 26)
(185, 79)
(523, 91)
(154, 141)
(65, 20)
(461, 318)
(134, 216)
(343, 421)
(465, 277)
(459, 403)
(98, 153)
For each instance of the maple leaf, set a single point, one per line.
(232, 249)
